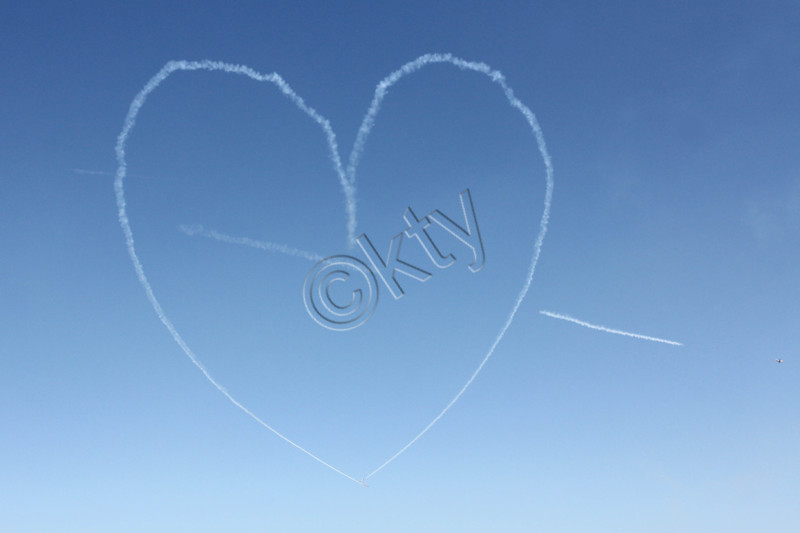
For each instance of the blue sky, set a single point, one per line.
(673, 132)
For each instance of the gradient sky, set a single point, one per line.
(673, 129)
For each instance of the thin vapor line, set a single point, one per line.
(608, 330)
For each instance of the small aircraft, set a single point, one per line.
(362, 479)
(779, 360)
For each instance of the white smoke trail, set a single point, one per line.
(130, 120)
(347, 181)
(196, 229)
(608, 330)
(275, 79)
(355, 155)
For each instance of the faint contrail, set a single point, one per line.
(92, 172)
(347, 181)
(608, 330)
(197, 229)
(85, 172)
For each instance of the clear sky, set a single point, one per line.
(673, 129)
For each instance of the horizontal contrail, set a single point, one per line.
(608, 330)
(86, 172)
(92, 172)
(197, 229)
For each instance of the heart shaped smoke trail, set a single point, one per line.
(347, 182)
